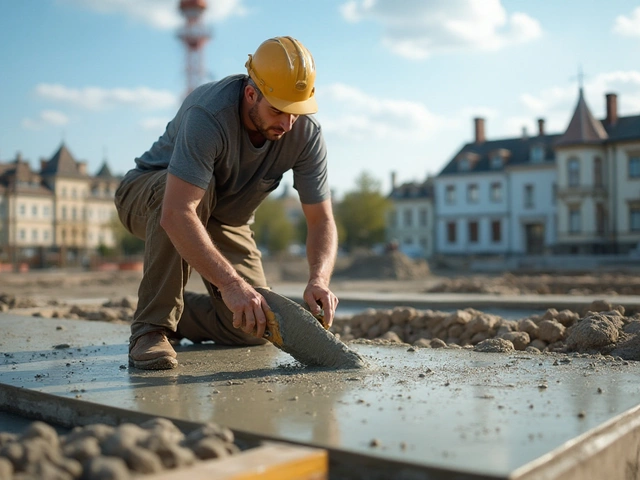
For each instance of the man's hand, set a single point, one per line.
(319, 297)
(247, 305)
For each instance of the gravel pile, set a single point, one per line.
(602, 329)
(103, 452)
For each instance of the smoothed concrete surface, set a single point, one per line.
(480, 415)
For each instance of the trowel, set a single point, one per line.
(296, 331)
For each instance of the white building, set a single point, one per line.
(599, 182)
(410, 220)
(496, 197)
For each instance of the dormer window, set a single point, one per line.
(466, 161)
(537, 154)
(498, 158)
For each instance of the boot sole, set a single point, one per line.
(160, 363)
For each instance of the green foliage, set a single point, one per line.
(362, 214)
(126, 243)
(272, 228)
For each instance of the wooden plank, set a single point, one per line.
(271, 461)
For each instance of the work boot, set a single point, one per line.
(152, 351)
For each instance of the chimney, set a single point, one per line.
(82, 168)
(525, 134)
(393, 180)
(541, 127)
(612, 108)
(479, 124)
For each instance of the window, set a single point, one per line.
(574, 219)
(464, 164)
(634, 167)
(46, 211)
(496, 161)
(408, 217)
(34, 235)
(528, 196)
(597, 172)
(496, 231)
(450, 195)
(496, 192)
(422, 217)
(34, 210)
(573, 172)
(601, 219)
(45, 235)
(22, 210)
(74, 213)
(451, 232)
(64, 213)
(23, 234)
(473, 232)
(472, 193)
(554, 193)
(537, 154)
(634, 218)
(74, 193)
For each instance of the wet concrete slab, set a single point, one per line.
(445, 413)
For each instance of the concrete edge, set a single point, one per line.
(611, 450)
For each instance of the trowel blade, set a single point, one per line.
(297, 332)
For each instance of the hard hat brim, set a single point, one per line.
(306, 107)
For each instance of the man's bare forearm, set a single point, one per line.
(322, 248)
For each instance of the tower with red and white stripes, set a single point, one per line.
(194, 35)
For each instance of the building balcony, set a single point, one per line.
(582, 191)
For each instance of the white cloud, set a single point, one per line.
(96, 98)
(562, 100)
(417, 29)
(356, 115)
(628, 25)
(46, 118)
(154, 123)
(161, 14)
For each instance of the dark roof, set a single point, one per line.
(105, 172)
(411, 190)
(62, 163)
(625, 128)
(583, 127)
(517, 151)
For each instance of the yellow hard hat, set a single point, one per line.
(284, 71)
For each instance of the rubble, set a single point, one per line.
(601, 329)
(101, 451)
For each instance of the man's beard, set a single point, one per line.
(270, 133)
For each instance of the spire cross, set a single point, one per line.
(580, 77)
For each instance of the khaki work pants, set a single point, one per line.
(163, 303)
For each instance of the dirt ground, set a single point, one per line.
(603, 328)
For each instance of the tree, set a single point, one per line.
(362, 213)
(126, 242)
(272, 228)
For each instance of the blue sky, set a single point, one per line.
(398, 81)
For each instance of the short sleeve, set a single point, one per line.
(310, 177)
(198, 143)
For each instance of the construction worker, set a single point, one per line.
(193, 194)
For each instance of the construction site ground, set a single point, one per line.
(413, 413)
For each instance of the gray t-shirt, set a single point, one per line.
(206, 143)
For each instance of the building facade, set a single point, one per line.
(58, 215)
(496, 197)
(598, 173)
(410, 220)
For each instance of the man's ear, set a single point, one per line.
(251, 94)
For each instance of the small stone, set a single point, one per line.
(374, 443)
